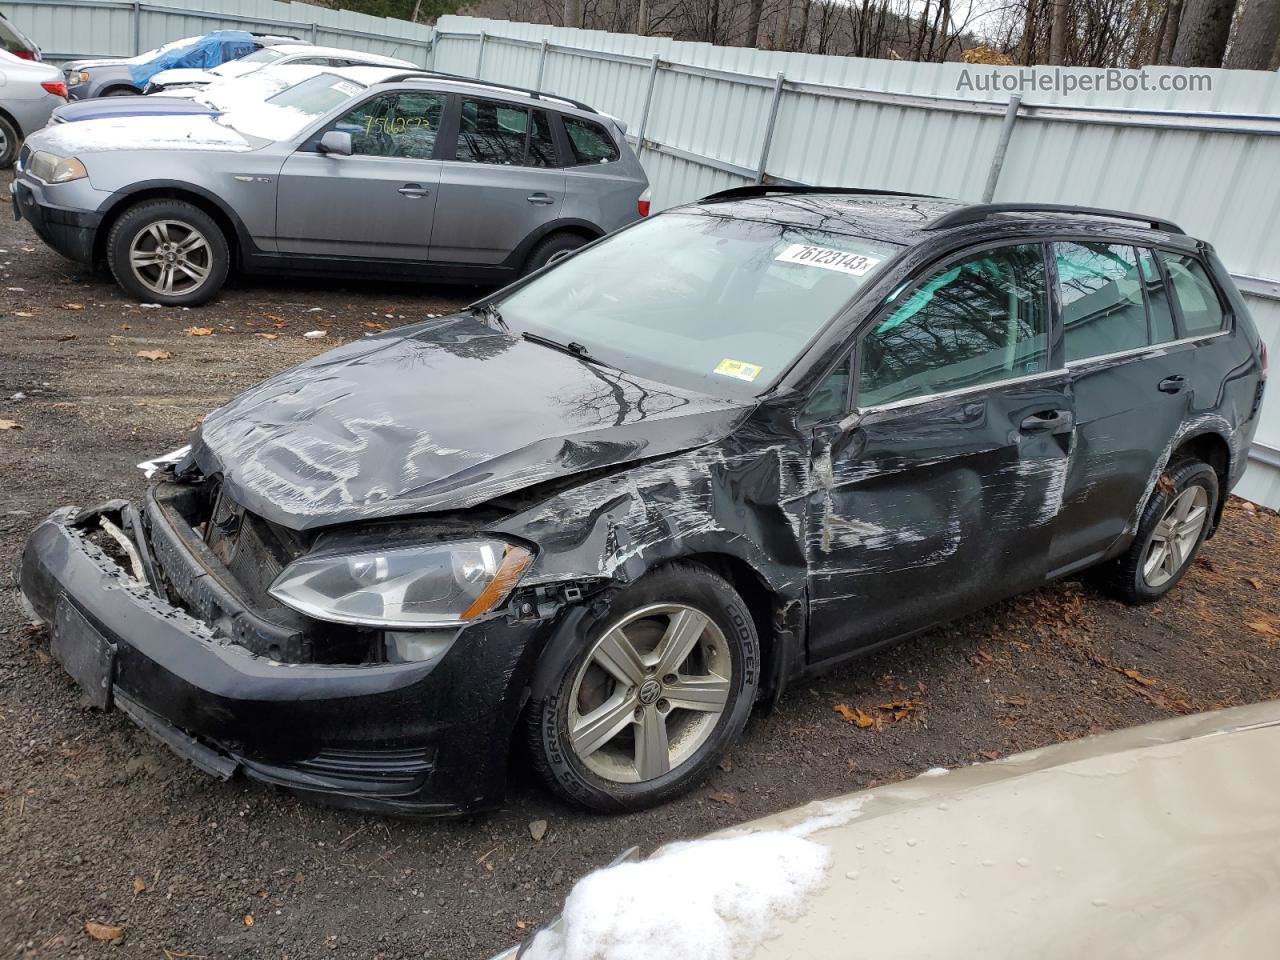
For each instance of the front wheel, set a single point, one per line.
(10, 140)
(1174, 524)
(168, 252)
(661, 689)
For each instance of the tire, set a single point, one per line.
(145, 229)
(122, 92)
(552, 248)
(719, 667)
(12, 141)
(1137, 577)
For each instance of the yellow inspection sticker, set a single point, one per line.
(738, 370)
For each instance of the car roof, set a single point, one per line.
(310, 48)
(910, 218)
(533, 98)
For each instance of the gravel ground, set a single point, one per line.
(100, 824)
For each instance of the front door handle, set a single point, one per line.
(1172, 384)
(1049, 421)
(413, 190)
(540, 198)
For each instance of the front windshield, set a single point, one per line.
(706, 302)
(265, 55)
(290, 110)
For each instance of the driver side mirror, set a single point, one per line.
(337, 143)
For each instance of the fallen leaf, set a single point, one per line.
(723, 796)
(104, 931)
(374, 325)
(139, 885)
(1255, 582)
(73, 306)
(154, 354)
(989, 754)
(124, 326)
(199, 331)
(1136, 677)
(268, 336)
(1017, 701)
(10, 425)
(248, 919)
(521, 925)
(278, 321)
(857, 716)
(20, 313)
(1265, 627)
(726, 765)
(900, 709)
(42, 656)
(538, 829)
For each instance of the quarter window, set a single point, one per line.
(1101, 295)
(1158, 307)
(491, 132)
(396, 125)
(589, 141)
(977, 321)
(1201, 311)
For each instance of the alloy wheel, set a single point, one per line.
(170, 257)
(649, 693)
(1175, 536)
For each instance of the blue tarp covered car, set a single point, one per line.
(106, 78)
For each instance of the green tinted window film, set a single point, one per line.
(1101, 295)
(1201, 311)
(975, 322)
(1158, 307)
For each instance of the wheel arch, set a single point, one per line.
(571, 225)
(1212, 448)
(16, 125)
(226, 219)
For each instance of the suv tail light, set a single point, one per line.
(57, 87)
(642, 204)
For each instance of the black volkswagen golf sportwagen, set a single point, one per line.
(606, 510)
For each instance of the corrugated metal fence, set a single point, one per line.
(72, 29)
(707, 117)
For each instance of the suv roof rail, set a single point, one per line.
(978, 212)
(277, 36)
(800, 189)
(458, 78)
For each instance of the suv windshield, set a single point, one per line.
(706, 302)
(290, 110)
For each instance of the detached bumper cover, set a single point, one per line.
(71, 232)
(426, 738)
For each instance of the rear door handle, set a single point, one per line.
(540, 198)
(1050, 421)
(1172, 384)
(413, 190)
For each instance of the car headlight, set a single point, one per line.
(51, 168)
(75, 78)
(422, 586)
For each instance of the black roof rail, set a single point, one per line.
(799, 189)
(458, 78)
(978, 212)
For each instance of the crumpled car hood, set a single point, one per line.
(439, 416)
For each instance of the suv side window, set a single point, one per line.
(395, 125)
(1198, 300)
(979, 320)
(501, 133)
(1101, 295)
(1159, 309)
(589, 141)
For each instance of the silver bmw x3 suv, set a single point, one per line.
(414, 175)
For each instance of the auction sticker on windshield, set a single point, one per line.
(854, 264)
(738, 369)
(348, 89)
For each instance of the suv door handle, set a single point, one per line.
(1051, 421)
(540, 198)
(413, 190)
(1172, 384)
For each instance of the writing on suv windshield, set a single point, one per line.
(708, 302)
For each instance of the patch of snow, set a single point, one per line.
(232, 93)
(266, 120)
(936, 772)
(138, 133)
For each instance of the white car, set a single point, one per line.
(29, 92)
(298, 54)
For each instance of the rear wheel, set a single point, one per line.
(553, 248)
(662, 688)
(9, 142)
(169, 252)
(1174, 524)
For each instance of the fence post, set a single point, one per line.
(542, 65)
(648, 102)
(314, 30)
(480, 55)
(1002, 146)
(137, 27)
(778, 84)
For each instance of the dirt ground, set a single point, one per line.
(99, 823)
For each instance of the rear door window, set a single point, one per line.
(1197, 298)
(1100, 290)
(589, 141)
(501, 133)
(978, 321)
(1159, 309)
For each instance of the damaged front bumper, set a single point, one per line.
(427, 737)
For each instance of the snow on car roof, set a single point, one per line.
(141, 133)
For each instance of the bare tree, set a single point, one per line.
(1257, 36)
(1058, 33)
(1203, 33)
(573, 13)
